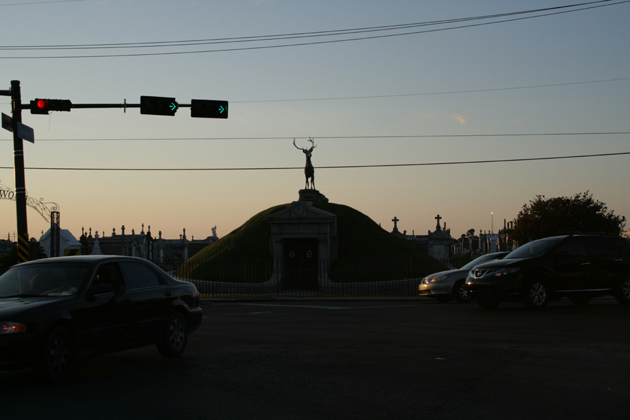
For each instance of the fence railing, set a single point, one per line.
(281, 278)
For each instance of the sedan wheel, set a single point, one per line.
(56, 357)
(534, 294)
(623, 293)
(461, 294)
(175, 337)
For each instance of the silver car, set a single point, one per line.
(447, 285)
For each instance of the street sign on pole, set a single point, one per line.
(7, 122)
(25, 132)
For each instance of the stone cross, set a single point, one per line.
(395, 220)
(438, 218)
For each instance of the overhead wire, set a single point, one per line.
(370, 137)
(39, 2)
(274, 37)
(451, 92)
(576, 7)
(393, 165)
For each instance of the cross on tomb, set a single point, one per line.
(438, 218)
(395, 220)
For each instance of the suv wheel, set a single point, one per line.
(623, 293)
(460, 292)
(534, 294)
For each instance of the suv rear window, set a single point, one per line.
(603, 246)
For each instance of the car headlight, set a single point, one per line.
(11, 327)
(441, 277)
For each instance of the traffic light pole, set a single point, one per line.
(18, 164)
(200, 108)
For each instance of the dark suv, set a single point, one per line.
(578, 266)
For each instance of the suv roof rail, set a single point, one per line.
(590, 233)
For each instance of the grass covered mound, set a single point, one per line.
(366, 252)
(242, 255)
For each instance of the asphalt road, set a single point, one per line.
(409, 359)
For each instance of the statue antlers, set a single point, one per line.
(309, 170)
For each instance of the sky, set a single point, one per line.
(433, 97)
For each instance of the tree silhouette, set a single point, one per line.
(544, 217)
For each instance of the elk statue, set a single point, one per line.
(309, 170)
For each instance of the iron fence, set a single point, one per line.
(280, 278)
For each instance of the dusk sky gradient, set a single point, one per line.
(548, 86)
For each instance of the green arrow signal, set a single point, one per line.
(221, 109)
(173, 106)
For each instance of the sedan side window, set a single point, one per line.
(107, 274)
(138, 275)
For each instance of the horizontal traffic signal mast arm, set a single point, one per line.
(153, 105)
(123, 105)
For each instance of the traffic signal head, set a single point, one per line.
(156, 105)
(208, 109)
(43, 106)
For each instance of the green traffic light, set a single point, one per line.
(157, 105)
(204, 108)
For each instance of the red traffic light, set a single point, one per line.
(40, 106)
(43, 106)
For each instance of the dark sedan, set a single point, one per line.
(54, 310)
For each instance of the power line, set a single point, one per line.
(438, 93)
(594, 4)
(448, 92)
(275, 37)
(373, 137)
(395, 165)
(39, 2)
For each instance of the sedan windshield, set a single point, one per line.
(533, 249)
(43, 280)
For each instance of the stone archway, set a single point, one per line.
(304, 245)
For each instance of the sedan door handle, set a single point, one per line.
(168, 293)
(586, 263)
